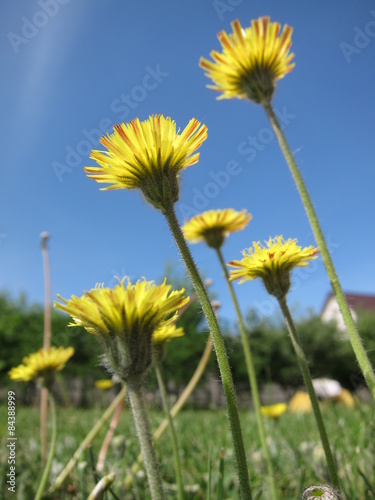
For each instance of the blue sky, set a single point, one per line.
(71, 70)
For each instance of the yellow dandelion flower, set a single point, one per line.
(123, 308)
(124, 319)
(273, 263)
(214, 226)
(274, 411)
(167, 333)
(253, 59)
(41, 364)
(22, 373)
(104, 384)
(161, 337)
(345, 398)
(148, 155)
(300, 403)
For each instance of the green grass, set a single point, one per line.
(293, 440)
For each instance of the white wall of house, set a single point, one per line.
(332, 312)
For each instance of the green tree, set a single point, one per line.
(21, 333)
(328, 351)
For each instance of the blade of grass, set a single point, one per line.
(220, 487)
(86, 442)
(368, 484)
(94, 472)
(208, 496)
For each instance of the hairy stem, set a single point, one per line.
(251, 374)
(354, 337)
(310, 389)
(220, 350)
(176, 408)
(145, 440)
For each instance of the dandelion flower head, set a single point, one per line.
(214, 226)
(124, 319)
(273, 263)
(274, 411)
(167, 333)
(252, 60)
(148, 155)
(41, 364)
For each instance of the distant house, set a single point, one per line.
(356, 302)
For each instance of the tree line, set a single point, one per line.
(329, 354)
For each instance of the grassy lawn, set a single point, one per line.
(293, 441)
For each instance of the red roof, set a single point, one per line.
(356, 301)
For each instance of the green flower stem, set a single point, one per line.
(51, 454)
(176, 408)
(354, 337)
(145, 440)
(221, 355)
(167, 412)
(310, 389)
(87, 441)
(251, 374)
(43, 425)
